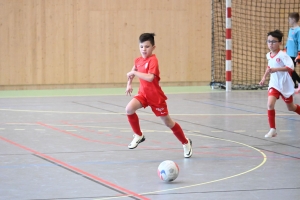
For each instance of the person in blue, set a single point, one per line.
(293, 45)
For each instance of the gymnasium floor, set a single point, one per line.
(72, 144)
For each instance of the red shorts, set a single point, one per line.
(277, 94)
(159, 110)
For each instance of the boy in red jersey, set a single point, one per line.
(280, 68)
(150, 94)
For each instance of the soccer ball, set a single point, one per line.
(168, 170)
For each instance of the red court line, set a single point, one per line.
(89, 130)
(78, 136)
(77, 170)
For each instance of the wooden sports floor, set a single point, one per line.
(72, 144)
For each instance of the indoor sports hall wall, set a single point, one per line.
(92, 43)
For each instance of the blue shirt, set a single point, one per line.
(293, 42)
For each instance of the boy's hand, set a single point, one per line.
(130, 75)
(129, 90)
(271, 70)
(262, 81)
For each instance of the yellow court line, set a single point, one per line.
(98, 113)
(262, 130)
(239, 131)
(208, 182)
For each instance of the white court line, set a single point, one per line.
(129, 130)
(19, 129)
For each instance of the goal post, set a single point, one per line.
(228, 45)
(239, 32)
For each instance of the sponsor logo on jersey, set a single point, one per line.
(278, 60)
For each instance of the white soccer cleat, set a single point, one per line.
(271, 133)
(187, 148)
(136, 140)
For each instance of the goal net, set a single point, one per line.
(251, 21)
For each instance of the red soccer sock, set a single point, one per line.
(135, 124)
(271, 116)
(179, 133)
(297, 109)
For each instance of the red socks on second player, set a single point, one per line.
(297, 109)
(271, 116)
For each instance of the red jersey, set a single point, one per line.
(150, 90)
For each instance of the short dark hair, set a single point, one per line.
(147, 37)
(277, 34)
(294, 15)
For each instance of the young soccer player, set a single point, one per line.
(150, 94)
(293, 45)
(280, 68)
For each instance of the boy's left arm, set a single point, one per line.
(147, 77)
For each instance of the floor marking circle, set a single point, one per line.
(208, 182)
(188, 186)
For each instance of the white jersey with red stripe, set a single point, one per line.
(281, 80)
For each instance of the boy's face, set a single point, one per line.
(146, 49)
(273, 43)
(292, 21)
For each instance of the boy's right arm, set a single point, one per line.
(264, 76)
(129, 88)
